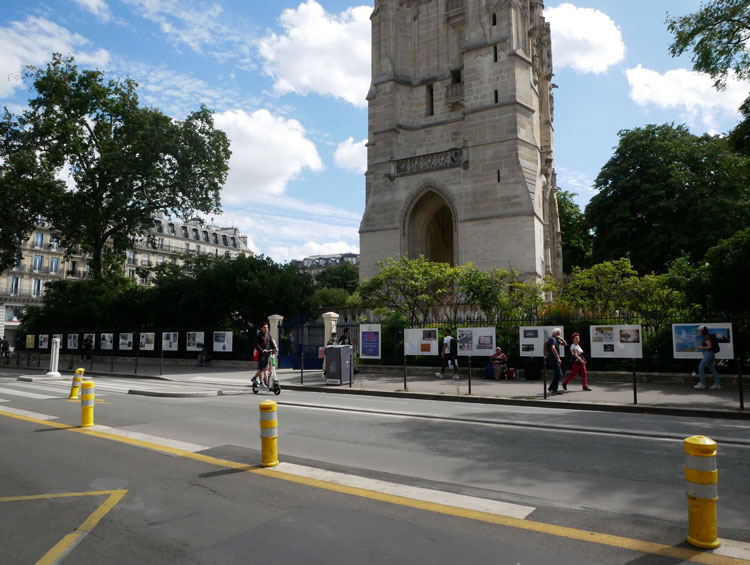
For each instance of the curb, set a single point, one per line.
(174, 394)
(631, 409)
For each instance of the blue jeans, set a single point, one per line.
(707, 361)
(556, 376)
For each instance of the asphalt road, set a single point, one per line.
(186, 510)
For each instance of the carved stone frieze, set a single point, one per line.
(429, 162)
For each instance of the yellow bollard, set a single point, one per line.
(75, 386)
(702, 491)
(269, 433)
(87, 404)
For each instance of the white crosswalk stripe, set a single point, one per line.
(105, 386)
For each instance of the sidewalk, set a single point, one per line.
(612, 396)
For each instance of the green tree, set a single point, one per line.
(665, 193)
(604, 287)
(728, 270)
(576, 236)
(326, 297)
(719, 37)
(411, 288)
(345, 276)
(126, 161)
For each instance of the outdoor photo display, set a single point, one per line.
(619, 341)
(126, 342)
(194, 341)
(169, 341)
(30, 341)
(421, 341)
(532, 340)
(44, 341)
(59, 337)
(147, 341)
(369, 341)
(105, 341)
(223, 341)
(72, 341)
(92, 337)
(686, 339)
(475, 341)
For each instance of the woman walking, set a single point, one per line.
(708, 347)
(579, 363)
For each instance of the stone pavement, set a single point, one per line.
(615, 396)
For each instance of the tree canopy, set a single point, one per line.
(125, 161)
(719, 37)
(344, 276)
(664, 193)
(576, 236)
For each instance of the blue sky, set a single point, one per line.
(288, 79)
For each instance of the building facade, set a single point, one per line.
(315, 264)
(460, 163)
(43, 260)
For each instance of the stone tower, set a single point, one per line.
(460, 164)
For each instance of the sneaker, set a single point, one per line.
(439, 375)
(715, 387)
(586, 388)
(565, 387)
(700, 386)
(456, 377)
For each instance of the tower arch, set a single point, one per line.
(430, 226)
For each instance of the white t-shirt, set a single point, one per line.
(447, 345)
(576, 348)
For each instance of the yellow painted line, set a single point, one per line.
(695, 555)
(68, 542)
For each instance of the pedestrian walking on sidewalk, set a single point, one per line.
(579, 363)
(710, 347)
(553, 359)
(449, 352)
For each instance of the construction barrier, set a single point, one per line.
(269, 433)
(87, 404)
(702, 491)
(75, 386)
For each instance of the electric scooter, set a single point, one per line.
(273, 385)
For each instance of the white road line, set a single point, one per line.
(732, 548)
(416, 493)
(177, 444)
(26, 394)
(26, 413)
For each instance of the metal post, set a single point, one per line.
(635, 385)
(544, 372)
(739, 383)
(87, 404)
(161, 367)
(469, 375)
(112, 357)
(405, 389)
(269, 433)
(301, 365)
(137, 351)
(702, 480)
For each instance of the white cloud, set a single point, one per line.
(32, 42)
(97, 7)
(196, 24)
(320, 52)
(584, 39)
(571, 180)
(351, 155)
(267, 152)
(691, 92)
(282, 254)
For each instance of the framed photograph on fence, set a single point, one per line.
(30, 341)
(475, 341)
(686, 339)
(616, 341)
(420, 341)
(72, 341)
(126, 342)
(223, 342)
(44, 341)
(170, 341)
(369, 341)
(532, 340)
(147, 341)
(106, 341)
(194, 341)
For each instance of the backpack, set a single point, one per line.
(454, 347)
(714, 343)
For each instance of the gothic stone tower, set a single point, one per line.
(459, 164)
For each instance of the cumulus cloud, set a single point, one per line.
(328, 54)
(32, 42)
(584, 39)
(268, 151)
(97, 7)
(688, 91)
(351, 155)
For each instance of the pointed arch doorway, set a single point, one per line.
(430, 229)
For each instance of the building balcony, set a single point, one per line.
(454, 93)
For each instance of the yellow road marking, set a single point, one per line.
(68, 542)
(695, 555)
